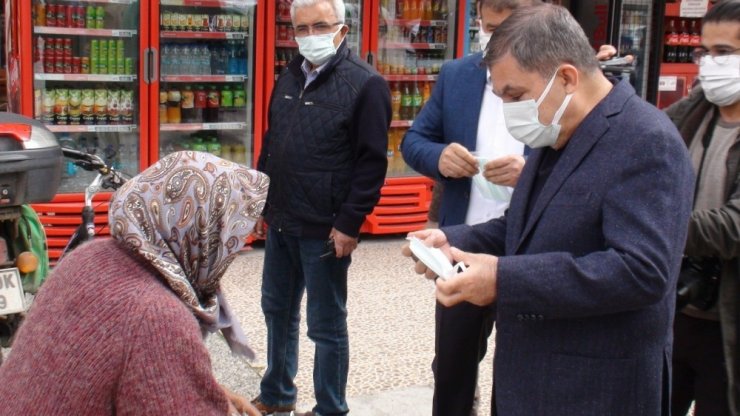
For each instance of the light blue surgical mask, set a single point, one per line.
(523, 120)
(317, 49)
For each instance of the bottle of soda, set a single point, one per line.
(174, 109)
(670, 54)
(188, 105)
(201, 101)
(396, 101)
(212, 105)
(426, 93)
(163, 107)
(416, 100)
(684, 44)
(227, 102)
(90, 17)
(695, 39)
(406, 103)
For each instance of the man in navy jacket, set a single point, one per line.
(582, 270)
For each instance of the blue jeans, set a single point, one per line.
(292, 264)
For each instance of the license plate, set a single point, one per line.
(11, 292)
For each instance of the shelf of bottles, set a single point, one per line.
(205, 98)
(415, 38)
(86, 81)
(286, 47)
(473, 45)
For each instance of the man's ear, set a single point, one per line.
(570, 77)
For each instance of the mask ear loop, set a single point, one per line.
(547, 88)
(561, 110)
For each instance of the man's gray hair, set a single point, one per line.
(501, 5)
(337, 5)
(540, 39)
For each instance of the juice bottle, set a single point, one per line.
(174, 114)
(212, 105)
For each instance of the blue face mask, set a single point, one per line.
(523, 120)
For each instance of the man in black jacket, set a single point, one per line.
(325, 153)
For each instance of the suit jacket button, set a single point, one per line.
(540, 317)
(520, 317)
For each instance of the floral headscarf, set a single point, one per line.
(188, 215)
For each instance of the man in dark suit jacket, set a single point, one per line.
(462, 116)
(583, 267)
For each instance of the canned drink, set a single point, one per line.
(103, 59)
(71, 16)
(40, 10)
(112, 55)
(129, 66)
(245, 23)
(61, 15)
(87, 107)
(85, 65)
(67, 47)
(59, 65)
(49, 63)
(59, 48)
(99, 17)
(81, 19)
(51, 15)
(76, 65)
(283, 32)
(90, 17)
(67, 64)
(48, 99)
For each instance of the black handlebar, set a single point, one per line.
(112, 178)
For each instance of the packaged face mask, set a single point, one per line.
(434, 259)
(487, 189)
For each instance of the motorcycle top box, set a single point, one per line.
(30, 161)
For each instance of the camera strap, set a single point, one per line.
(706, 139)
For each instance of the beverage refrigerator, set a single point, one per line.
(406, 41)
(133, 80)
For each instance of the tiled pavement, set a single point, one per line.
(391, 325)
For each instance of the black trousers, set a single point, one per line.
(461, 339)
(698, 368)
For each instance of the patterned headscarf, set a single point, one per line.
(188, 216)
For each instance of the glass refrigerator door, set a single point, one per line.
(415, 37)
(286, 47)
(634, 39)
(206, 86)
(472, 45)
(86, 80)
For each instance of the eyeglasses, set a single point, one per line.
(320, 28)
(720, 57)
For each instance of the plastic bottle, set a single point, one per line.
(406, 103)
(416, 100)
(227, 103)
(186, 60)
(396, 101)
(188, 105)
(175, 60)
(233, 60)
(166, 64)
(201, 101)
(205, 60)
(174, 97)
(212, 105)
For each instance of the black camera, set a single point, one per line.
(698, 283)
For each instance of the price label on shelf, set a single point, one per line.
(693, 8)
(437, 46)
(235, 78)
(437, 23)
(111, 129)
(123, 33)
(236, 35)
(224, 126)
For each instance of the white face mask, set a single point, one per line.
(483, 39)
(317, 49)
(523, 121)
(721, 83)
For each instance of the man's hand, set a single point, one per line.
(606, 52)
(457, 162)
(431, 238)
(477, 284)
(344, 245)
(504, 170)
(259, 228)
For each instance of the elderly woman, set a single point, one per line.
(118, 327)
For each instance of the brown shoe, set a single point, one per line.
(268, 410)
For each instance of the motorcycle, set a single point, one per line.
(30, 172)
